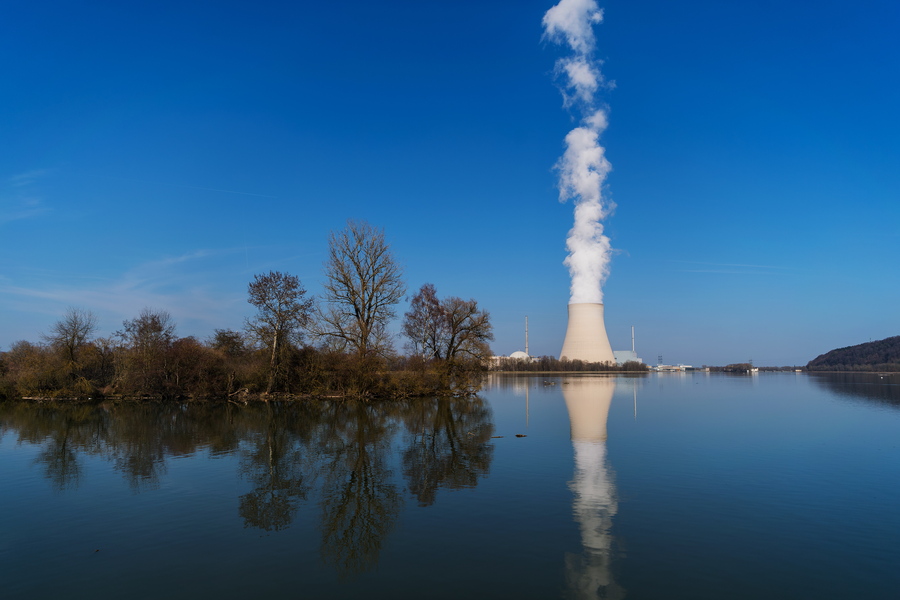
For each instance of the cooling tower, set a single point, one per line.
(586, 335)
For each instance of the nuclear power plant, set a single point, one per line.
(586, 337)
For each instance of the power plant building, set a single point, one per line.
(624, 356)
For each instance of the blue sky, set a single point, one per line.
(160, 153)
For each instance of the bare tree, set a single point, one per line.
(72, 332)
(469, 330)
(363, 284)
(282, 311)
(144, 367)
(424, 324)
(451, 329)
(151, 331)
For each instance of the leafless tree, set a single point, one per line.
(72, 332)
(424, 325)
(363, 283)
(282, 311)
(143, 366)
(450, 329)
(469, 330)
(151, 331)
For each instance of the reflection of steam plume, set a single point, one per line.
(589, 574)
(583, 167)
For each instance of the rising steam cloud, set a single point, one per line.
(583, 167)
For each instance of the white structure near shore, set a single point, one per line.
(624, 356)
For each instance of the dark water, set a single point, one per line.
(665, 486)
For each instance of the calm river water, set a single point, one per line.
(782, 485)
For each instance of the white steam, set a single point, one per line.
(573, 19)
(583, 167)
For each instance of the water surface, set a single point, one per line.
(661, 486)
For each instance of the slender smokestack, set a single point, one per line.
(586, 337)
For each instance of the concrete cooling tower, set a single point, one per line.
(586, 335)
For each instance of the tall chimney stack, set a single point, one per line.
(586, 337)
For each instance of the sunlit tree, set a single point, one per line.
(282, 311)
(363, 284)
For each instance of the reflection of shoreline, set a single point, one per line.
(871, 387)
(589, 574)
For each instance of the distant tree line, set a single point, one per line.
(880, 355)
(544, 364)
(336, 345)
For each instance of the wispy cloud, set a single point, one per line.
(27, 178)
(182, 285)
(733, 268)
(21, 208)
(19, 200)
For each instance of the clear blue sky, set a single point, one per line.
(160, 153)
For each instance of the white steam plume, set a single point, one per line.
(583, 167)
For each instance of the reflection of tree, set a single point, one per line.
(450, 445)
(60, 461)
(359, 502)
(71, 431)
(62, 433)
(135, 443)
(274, 465)
(136, 439)
(345, 446)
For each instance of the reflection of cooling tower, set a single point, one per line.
(586, 335)
(594, 505)
(587, 400)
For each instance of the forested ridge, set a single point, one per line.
(880, 355)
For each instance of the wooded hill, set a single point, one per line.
(882, 355)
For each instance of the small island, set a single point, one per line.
(294, 346)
